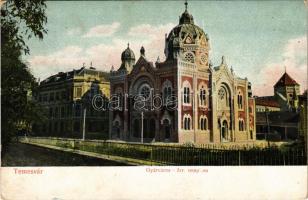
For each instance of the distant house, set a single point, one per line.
(268, 103)
(282, 125)
(303, 130)
(285, 98)
(277, 116)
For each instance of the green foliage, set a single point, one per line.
(181, 155)
(20, 20)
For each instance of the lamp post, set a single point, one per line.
(84, 116)
(142, 127)
(84, 123)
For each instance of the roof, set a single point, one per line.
(267, 101)
(277, 117)
(61, 76)
(286, 80)
(127, 54)
(185, 28)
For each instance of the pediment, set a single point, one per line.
(223, 73)
(189, 39)
(143, 66)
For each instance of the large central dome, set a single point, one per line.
(179, 34)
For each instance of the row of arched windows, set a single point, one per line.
(203, 123)
(187, 94)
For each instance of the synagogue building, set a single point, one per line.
(199, 102)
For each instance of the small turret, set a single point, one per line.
(128, 59)
(142, 51)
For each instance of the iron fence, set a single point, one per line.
(182, 155)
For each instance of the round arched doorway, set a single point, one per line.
(224, 130)
(167, 129)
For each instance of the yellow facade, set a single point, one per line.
(67, 97)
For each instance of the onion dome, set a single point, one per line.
(186, 18)
(128, 59)
(127, 54)
(178, 35)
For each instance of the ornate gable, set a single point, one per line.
(142, 66)
(223, 74)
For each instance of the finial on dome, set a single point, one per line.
(158, 59)
(128, 45)
(223, 60)
(186, 5)
(142, 51)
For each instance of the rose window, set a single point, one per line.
(145, 91)
(189, 57)
(203, 58)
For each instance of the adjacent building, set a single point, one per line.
(285, 98)
(67, 98)
(184, 99)
(277, 116)
(303, 125)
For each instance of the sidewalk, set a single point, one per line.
(119, 159)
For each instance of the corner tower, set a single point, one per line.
(188, 42)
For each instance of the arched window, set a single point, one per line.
(203, 123)
(167, 127)
(187, 122)
(167, 90)
(240, 100)
(186, 94)
(202, 96)
(241, 125)
(118, 94)
(224, 98)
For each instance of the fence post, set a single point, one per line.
(239, 157)
(151, 156)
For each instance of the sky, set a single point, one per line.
(259, 39)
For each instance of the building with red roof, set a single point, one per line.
(285, 98)
(278, 116)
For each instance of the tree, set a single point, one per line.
(20, 20)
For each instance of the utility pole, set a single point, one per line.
(84, 124)
(268, 127)
(142, 127)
